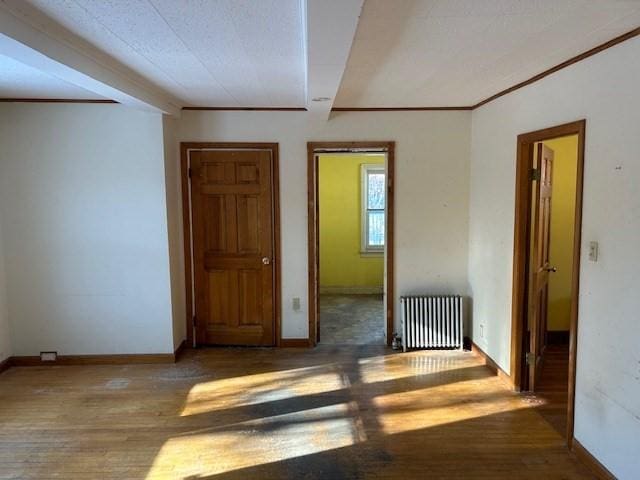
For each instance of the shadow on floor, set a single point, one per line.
(330, 413)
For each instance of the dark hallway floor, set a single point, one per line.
(352, 320)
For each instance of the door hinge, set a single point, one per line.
(535, 174)
(530, 358)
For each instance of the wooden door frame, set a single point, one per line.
(522, 225)
(314, 148)
(185, 148)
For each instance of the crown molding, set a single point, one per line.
(251, 109)
(578, 58)
(397, 109)
(589, 53)
(53, 100)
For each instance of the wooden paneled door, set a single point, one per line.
(540, 265)
(232, 211)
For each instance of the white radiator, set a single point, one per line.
(432, 322)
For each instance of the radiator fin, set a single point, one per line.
(432, 321)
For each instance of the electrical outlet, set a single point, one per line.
(296, 304)
(593, 251)
(48, 356)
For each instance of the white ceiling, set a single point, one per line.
(410, 53)
(22, 81)
(281, 53)
(214, 53)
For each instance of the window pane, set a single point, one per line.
(375, 191)
(376, 229)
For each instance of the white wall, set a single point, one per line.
(84, 224)
(174, 220)
(432, 172)
(5, 334)
(604, 90)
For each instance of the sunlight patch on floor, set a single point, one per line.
(408, 365)
(225, 448)
(261, 388)
(444, 404)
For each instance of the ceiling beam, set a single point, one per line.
(331, 28)
(47, 49)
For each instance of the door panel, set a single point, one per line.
(540, 262)
(232, 219)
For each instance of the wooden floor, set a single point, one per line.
(553, 388)
(329, 413)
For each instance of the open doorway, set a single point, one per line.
(546, 269)
(351, 208)
(351, 243)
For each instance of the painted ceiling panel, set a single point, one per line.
(458, 52)
(213, 53)
(22, 81)
(251, 53)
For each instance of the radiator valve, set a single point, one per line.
(396, 343)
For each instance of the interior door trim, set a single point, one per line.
(185, 149)
(313, 149)
(522, 223)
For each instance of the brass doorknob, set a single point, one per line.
(266, 260)
(551, 269)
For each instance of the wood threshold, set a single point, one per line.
(186, 225)
(591, 462)
(524, 157)
(313, 238)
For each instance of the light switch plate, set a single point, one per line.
(593, 251)
(296, 303)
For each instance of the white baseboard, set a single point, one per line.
(337, 290)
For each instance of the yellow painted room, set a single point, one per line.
(562, 235)
(551, 268)
(351, 272)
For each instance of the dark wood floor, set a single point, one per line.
(329, 413)
(553, 387)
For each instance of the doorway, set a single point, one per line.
(351, 242)
(231, 230)
(548, 222)
(351, 208)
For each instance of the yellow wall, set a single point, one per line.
(562, 229)
(341, 264)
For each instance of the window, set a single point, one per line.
(373, 208)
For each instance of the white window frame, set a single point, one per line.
(365, 169)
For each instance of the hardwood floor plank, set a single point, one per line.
(330, 413)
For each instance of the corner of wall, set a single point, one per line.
(5, 332)
(174, 228)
